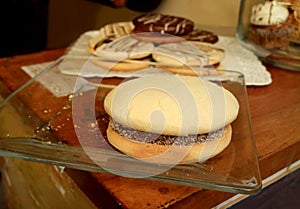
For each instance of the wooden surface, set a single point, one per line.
(275, 111)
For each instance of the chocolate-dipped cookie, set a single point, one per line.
(203, 36)
(164, 24)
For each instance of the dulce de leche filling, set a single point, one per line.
(159, 139)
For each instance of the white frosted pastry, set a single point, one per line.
(125, 47)
(181, 53)
(268, 13)
(116, 30)
(108, 33)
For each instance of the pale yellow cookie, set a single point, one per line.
(215, 54)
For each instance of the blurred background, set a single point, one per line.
(33, 25)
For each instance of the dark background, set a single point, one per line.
(23, 26)
(24, 23)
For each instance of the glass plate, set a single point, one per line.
(38, 125)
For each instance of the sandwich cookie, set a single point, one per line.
(117, 55)
(178, 54)
(203, 36)
(160, 118)
(125, 47)
(160, 28)
(109, 33)
(164, 24)
(213, 54)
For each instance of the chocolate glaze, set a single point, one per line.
(152, 138)
(163, 24)
(203, 36)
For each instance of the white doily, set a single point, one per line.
(239, 59)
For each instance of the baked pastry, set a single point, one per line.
(108, 33)
(272, 25)
(190, 58)
(191, 53)
(160, 28)
(164, 24)
(122, 54)
(155, 40)
(203, 36)
(170, 119)
(131, 54)
(178, 54)
(125, 47)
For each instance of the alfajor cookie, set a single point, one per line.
(169, 119)
(214, 53)
(203, 36)
(110, 32)
(186, 61)
(161, 28)
(188, 53)
(125, 47)
(164, 24)
(123, 54)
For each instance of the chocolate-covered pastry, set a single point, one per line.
(164, 24)
(273, 24)
(203, 36)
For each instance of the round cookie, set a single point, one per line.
(178, 54)
(124, 65)
(164, 24)
(117, 29)
(203, 36)
(122, 54)
(170, 119)
(110, 32)
(125, 47)
(190, 53)
(215, 54)
(206, 105)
